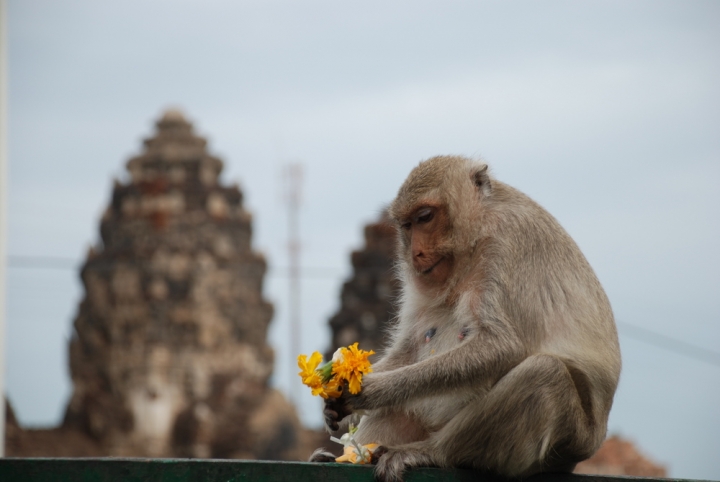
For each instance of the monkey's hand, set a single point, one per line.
(360, 401)
(335, 410)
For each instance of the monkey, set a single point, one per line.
(504, 357)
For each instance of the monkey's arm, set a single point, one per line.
(479, 362)
(399, 354)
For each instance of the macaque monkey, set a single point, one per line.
(505, 355)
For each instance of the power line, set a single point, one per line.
(644, 335)
(669, 343)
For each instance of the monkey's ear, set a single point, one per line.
(481, 178)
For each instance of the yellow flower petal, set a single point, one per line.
(308, 367)
(309, 374)
(355, 384)
(332, 388)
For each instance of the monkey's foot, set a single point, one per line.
(379, 452)
(322, 455)
(393, 463)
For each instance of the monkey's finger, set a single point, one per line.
(331, 419)
(330, 414)
(332, 425)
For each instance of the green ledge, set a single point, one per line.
(192, 470)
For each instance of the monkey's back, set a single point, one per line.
(549, 290)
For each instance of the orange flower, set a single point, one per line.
(351, 365)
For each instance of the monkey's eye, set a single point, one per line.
(424, 216)
(406, 225)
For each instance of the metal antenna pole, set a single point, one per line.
(294, 173)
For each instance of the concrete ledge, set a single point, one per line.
(196, 470)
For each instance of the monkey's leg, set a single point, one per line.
(386, 427)
(389, 427)
(532, 420)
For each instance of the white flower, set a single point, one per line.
(338, 356)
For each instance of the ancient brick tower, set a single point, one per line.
(169, 355)
(367, 299)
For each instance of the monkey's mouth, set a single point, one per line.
(429, 270)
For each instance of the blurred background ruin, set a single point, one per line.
(196, 193)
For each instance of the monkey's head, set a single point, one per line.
(437, 213)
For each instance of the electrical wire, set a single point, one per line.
(644, 335)
(64, 263)
(669, 343)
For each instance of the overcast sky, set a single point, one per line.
(606, 113)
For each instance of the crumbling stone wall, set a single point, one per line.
(169, 354)
(368, 299)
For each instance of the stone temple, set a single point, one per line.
(169, 356)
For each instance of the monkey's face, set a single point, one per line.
(425, 238)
